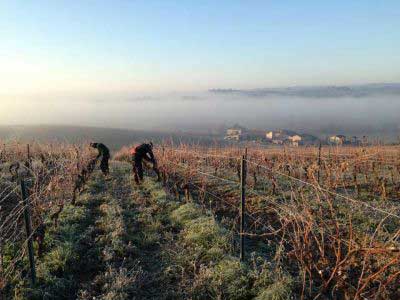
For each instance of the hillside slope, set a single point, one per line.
(113, 137)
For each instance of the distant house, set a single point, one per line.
(283, 136)
(295, 140)
(238, 133)
(355, 141)
(337, 139)
(269, 135)
(280, 134)
(233, 131)
(277, 142)
(234, 134)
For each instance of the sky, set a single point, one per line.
(61, 51)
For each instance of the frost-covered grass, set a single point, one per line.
(123, 242)
(197, 255)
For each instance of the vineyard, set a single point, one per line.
(330, 216)
(224, 223)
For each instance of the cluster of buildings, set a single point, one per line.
(281, 137)
(285, 137)
(344, 140)
(278, 137)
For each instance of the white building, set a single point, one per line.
(295, 139)
(233, 131)
(233, 134)
(337, 139)
(276, 135)
(283, 137)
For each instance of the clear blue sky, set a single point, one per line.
(144, 46)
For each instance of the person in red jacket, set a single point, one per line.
(143, 152)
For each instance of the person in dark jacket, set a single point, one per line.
(104, 153)
(143, 152)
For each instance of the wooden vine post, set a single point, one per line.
(28, 226)
(319, 160)
(242, 203)
(1, 261)
(28, 162)
(29, 152)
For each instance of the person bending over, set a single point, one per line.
(143, 152)
(104, 153)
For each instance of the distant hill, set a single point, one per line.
(356, 91)
(115, 138)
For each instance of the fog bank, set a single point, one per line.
(210, 111)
